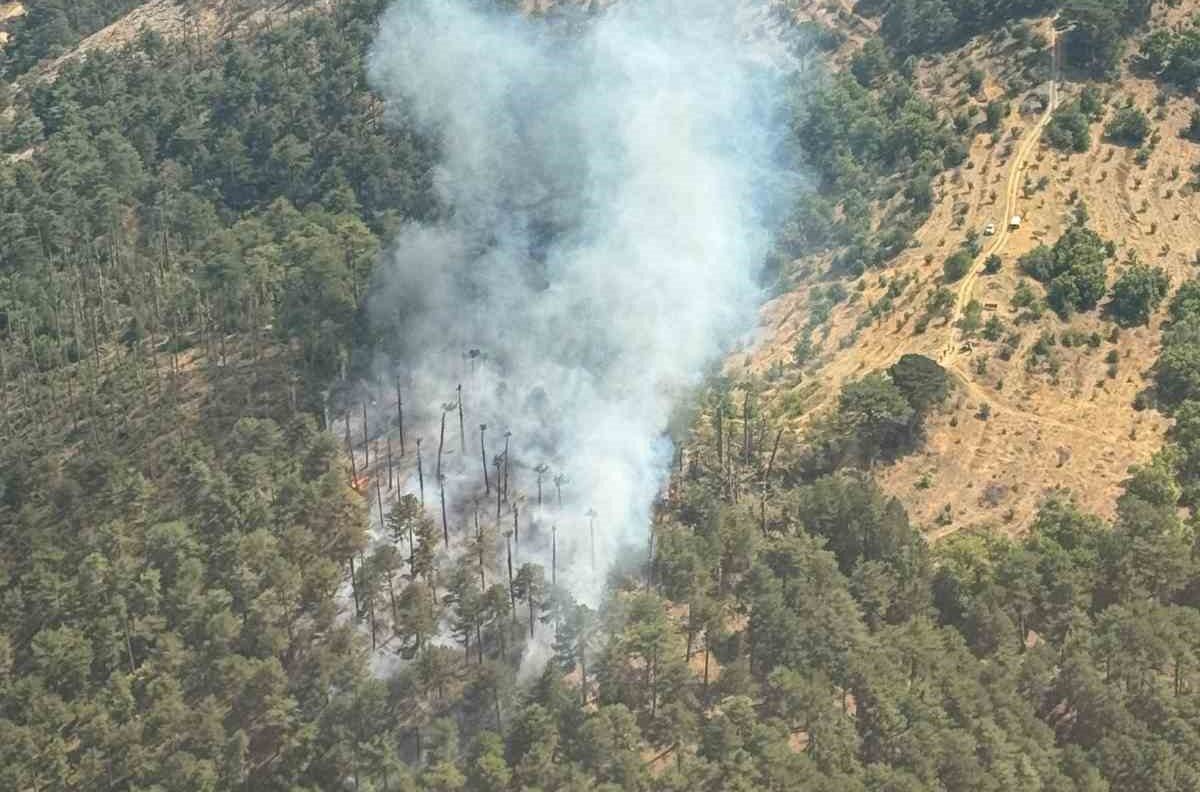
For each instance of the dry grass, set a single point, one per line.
(1074, 428)
(173, 20)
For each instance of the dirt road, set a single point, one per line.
(1012, 192)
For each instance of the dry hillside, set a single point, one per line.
(1019, 427)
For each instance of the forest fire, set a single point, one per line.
(594, 264)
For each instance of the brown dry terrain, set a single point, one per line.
(8, 11)
(177, 20)
(1067, 422)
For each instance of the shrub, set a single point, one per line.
(1075, 270)
(1068, 129)
(956, 266)
(1129, 126)
(1137, 293)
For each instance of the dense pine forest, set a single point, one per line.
(189, 595)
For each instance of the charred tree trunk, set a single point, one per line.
(388, 446)
(354, 588)
(350, 451)
(512, 592)
(762, 506)
(400, 415)
(379, 498)
(516, 526)
(366, 439)
(499, 492)
(746, 432)
(462, 427)
(420, 473)
(507, 435)
(487, 487)
(441, 444)
(445, 524)
(720, 436)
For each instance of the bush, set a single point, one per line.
(1137, 293)
(956, 266)
(1075, 270)
(923, 382)
(997, 110)
(992, 265)
(1192, 131)
(975, 79)
(1068, 129)
(1129, 126)
(1186, 304)
(1091, 102)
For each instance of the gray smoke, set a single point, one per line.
(607, 191)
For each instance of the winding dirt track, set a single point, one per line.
(1011, 195)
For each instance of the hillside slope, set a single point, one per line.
(1032, 412)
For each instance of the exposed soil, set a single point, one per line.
(1070, 423)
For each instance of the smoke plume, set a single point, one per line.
(606, 190)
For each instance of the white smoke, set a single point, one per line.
(606, 190)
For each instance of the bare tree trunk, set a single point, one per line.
(462, 426)
(512, 592)
(366, 439)
(400, 414)
(507, 435)
(516, 526)
(441, 444)
(445, 525)
(721, 436)
(498, 493)
(379, 499)
(746, 434)
(583, 685)
(483, 456)
(354, 587)
(420, 473)
(766, 480)
(388, 445)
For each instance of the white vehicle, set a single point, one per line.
(989, 229)
(1015, 222)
